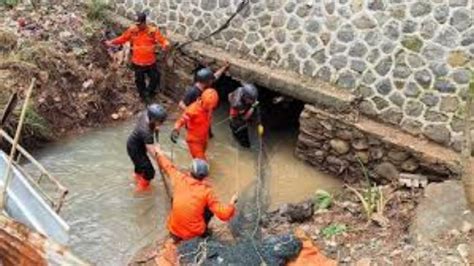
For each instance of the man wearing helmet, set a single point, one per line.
(143, 40)
(243, 103)
(197, 119)
(203, 79)
(141, 141)
(194, 201)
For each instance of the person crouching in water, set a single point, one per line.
(243, 103)
(194, 201)
(197, 119)
(142, 141)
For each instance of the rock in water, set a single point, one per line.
(298, 213)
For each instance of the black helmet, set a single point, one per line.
(141, 17)
(199, 169)
(156, 112)
(249, 91)
(205, 75)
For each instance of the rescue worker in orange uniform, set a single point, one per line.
(142, 141)
(203, 79)
(243, 103)
(194, 201)
(143, 41)
(197, 119)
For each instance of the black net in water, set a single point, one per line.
(274, 250)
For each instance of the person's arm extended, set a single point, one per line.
(182, 121)
(251, 110)
(221, 70)
(125, 37)
(181, 105)
(169, 169)
(151, 149)
(223, 211)
(161, 40)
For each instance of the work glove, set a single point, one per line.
(174, 136)
(255, 104)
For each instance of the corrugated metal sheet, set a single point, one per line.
(19, 245)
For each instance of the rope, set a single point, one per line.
(200, 253)
(226, 24)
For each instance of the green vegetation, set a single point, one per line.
(333, 230)
(35, 124)
(9, 3)
(322, 199)
(372, 198)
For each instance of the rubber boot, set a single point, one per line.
(136, 177)
(143, 185)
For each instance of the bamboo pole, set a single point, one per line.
(468, 174)
(7, 176)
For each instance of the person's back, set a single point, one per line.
(141, 135)
(197, 122)
(192, 198)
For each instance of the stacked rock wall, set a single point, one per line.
(338, 143)
(408, 59)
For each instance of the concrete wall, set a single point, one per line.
(408, 59)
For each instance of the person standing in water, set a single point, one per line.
(141, 144)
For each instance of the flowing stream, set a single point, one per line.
(109, 223)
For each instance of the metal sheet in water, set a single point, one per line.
(24, 204)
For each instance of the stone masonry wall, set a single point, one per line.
(335, 143)
(407, 59)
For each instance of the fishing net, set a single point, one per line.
(274, 250)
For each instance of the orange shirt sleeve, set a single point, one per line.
(159, 38)
(169, 169)
(183, 119)
(223, 211)
(125, 37)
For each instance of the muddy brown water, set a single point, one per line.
(109, 223)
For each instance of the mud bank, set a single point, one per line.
(77, 86)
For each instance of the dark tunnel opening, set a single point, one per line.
(278, 112)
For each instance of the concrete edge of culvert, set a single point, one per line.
(309, 90)
(19, 245)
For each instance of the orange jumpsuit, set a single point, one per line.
(190, 199)
(197, 121)
(143, 43)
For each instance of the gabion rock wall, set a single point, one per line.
(408, 59)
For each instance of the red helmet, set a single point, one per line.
(209, 99)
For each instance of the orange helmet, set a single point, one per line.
(209, 99)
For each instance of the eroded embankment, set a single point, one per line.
(77, 87)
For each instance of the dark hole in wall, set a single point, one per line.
(278, 111)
